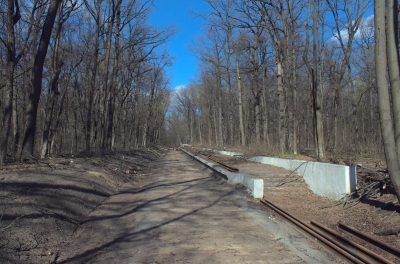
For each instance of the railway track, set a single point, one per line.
(225, 166)
(347, 249)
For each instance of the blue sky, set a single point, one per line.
(180, 14)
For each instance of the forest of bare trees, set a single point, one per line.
(297, 76)
(287, 76)
(80, 75)
(312, 79)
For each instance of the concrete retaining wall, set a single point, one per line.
(223, 152)
(329, 180)
(256, 186)
(325, 179)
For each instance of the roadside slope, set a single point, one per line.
(42, 204)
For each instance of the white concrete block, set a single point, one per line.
(352, 179)
(228, 153)
(256, 186)
(329, 180)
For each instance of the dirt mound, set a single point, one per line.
(43, 204)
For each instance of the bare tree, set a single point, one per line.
(96, 76)
(393, 66)
(353, 11)
(277, 17)
(36, 80)
(156, 82)
(240, 102)
(57, 63)
(222, 19)
(13, 16)
(315, 83)
(384, 98)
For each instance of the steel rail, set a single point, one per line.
(370, 239)
(355, 254)
(202, 162)
(366, 251)
(229, 168)
(327, 236)
(331, 244)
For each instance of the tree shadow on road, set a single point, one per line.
(130, 228)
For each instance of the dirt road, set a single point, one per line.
(185, 214)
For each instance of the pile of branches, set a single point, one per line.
(369, 190)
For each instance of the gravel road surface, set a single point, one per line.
(182, 213)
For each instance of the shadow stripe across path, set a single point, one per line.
(185, 214)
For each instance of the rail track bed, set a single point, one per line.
(349, 250)
(343, 242)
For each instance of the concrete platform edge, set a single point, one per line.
(325, 179)
(256, 186)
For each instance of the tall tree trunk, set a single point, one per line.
(7, 108)
(215, 130)
(55, 126)
(295, 121)
(36, 79)
(393, 65)
(113, 84)
(316, 104)
(319, 130)
(93, 80)
(354, 15)
(219, 96)
(150, 108)
(53, 90)
(191, 126)
(265, 108)
(15, 126)
(210, 118)
(257, 113)
(265, 121)
(49, 116)
(335, 120)
(295, 124)
(257, 94)
(240, 106)
(384, 98)
(105, 89)
(282, 108)
(200, 134)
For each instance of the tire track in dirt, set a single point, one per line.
(184, 213)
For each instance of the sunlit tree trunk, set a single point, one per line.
(393, 66)
(388, 135)
(240, 106)
(316, 104)
(113, 83)
(265, 108)
(282, 107)
(295, 99)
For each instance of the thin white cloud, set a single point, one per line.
(366, 26)
(179, 87)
